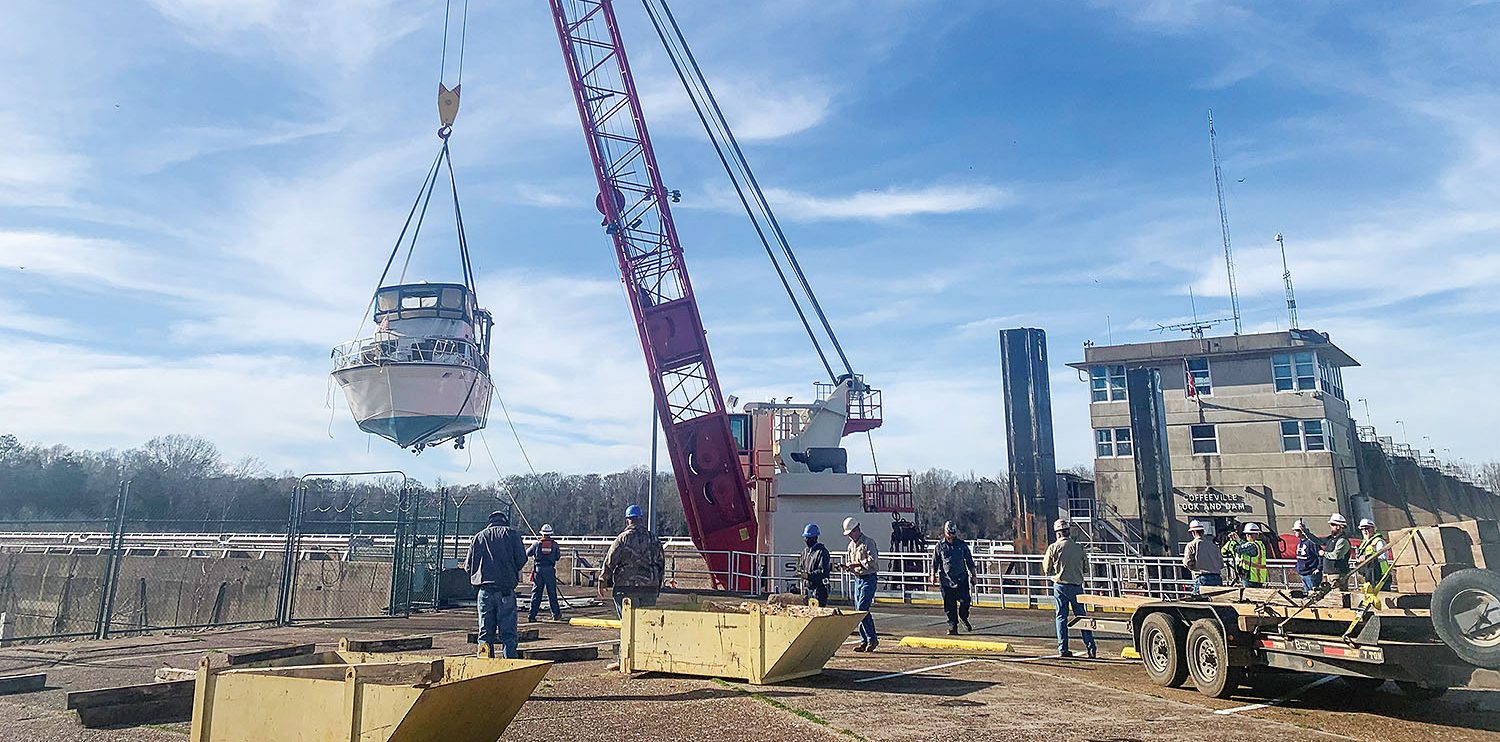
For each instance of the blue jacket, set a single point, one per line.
(496, 556)
(546, 552)
(1308, 561)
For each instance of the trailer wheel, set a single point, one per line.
(1466, 614)
(1420, 692)
(1161, 643)
(1208, 660)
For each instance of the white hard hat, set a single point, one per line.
(1252, 528)
(1337, 520)
(849, 525)
(1366, 523)
(1196, 525)
(546, 529)
(1300, 525)
(1061, 524)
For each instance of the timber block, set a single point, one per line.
(1481, 532)
(522, 635)
(22, 683)
(168, 674)
(395, 644)
(1423, 578)
(134, 705)
(562, 654)
(1487, 556)
(274, 653)
(1436, 545)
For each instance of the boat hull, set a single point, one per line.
(416, 404)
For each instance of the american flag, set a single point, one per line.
(1192, 386)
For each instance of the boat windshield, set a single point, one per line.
(414, 301)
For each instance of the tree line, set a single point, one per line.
(184, 483)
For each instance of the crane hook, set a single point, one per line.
(447, 107)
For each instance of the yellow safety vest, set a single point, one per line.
(1367, 549)
(1254, 566)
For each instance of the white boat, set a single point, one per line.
(423, 378)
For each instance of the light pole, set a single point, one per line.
(1403, 433)
(1368, 420)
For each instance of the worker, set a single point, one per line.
(1309, 564)
(1335, 553)
(862, 560)
(634, 565)
(954, 572)
(496, 556)
(814, 565)
(1250, 557)
(1066, 563)
(1374, 553)
(544, 554)
(1202, 558)
(1227, 553)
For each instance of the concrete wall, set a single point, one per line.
(44, 594)
(1403, 493)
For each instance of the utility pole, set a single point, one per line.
(1291, 296)
(1234, 293)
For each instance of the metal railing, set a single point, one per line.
(387, 348)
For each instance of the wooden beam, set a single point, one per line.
(376, 646)
(562, 654)
(22, 683)
(133, 705)
(275, 653)
(523, 635)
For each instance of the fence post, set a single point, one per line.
(112, 566)
(289, 559)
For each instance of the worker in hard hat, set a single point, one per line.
(814, 565)
(1250, 557)
(862, 560)
(1335, 553)
(1309, 564)
(544, 555)
(1375, 555)
(496, 556)
(634, 565)
(1233, 541)
(1067, 564)
(1202, 558)
(955, 573)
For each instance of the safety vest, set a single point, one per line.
(1254, 565)
(1376, 570)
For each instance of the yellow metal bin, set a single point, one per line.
(759, 644)
(361, 697)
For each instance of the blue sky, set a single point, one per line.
(196, 197)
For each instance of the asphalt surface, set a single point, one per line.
(895, 693)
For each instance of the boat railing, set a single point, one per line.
(385, 349)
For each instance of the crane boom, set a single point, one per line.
(705, 458)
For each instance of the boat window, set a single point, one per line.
(385, 301)
(419, 301)
(453, 298)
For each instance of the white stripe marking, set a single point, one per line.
(913, 672)
(1281, 700)
(1027, 659)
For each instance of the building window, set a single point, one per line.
(1107, 383)
(1112, 442)
(1303, 435)
(1331, 378)
(1200, 382)
(1205, 439)
(1294, 372)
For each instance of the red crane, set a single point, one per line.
(715, 495)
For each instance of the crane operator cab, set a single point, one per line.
(423, 378)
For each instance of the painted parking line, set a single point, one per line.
(913, 672)
(1027, 659)
(1280, 700)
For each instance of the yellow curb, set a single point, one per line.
(1129, 653)
(925, 642)
(595, 623)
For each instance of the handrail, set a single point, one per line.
(388, 348)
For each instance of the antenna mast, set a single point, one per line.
(1291, 297)
(1234, 293)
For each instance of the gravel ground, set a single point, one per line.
(1023, 695)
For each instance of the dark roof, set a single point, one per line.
(1258, 344)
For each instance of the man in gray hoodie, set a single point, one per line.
(496, 556)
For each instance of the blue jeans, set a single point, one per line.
(1310, 582)
(544, 581)
(1204, 579)
(864, 597)
(497, 615)
(1065, 597)
(640, 597)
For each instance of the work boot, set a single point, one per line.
(952, 629)
(862, 647)
(968, 626)
(1093, 652)
(872, 646)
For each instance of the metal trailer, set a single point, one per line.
(1221, 640)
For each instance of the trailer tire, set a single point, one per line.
(1207, 654)
(1161, 642)
(1420, 692)
(1466, 615)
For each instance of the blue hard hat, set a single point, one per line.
(811, 531)
(634, 511)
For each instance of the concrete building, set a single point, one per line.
(1257, 428)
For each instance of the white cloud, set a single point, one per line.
(889, 203)
(345, 34)
(37, 170)
(757, 110)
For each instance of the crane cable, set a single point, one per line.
(722, 136)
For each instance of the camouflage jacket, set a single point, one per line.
(635, 559)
